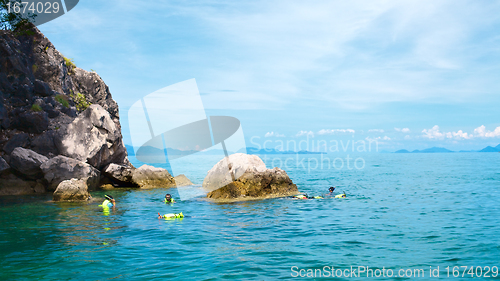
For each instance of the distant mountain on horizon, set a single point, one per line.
(249, 150)
(491, 149)
(436, 149)
(150, 150)
(254, 150)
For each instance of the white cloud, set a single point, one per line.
(459, 135)
(378, 139)
(273, 134)
(305, 133)
(407, 137)
(333, 131)
(483, 133)
(435, 134)
(375, 131)
(404, 130)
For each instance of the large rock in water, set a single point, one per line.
(222, 173)
(94, 138)
(150, 177)
(27, 162)
(252, 180)
(182, 180)
(71, 190)
(61, 168)
(119, 174)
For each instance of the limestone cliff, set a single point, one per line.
(49, 107)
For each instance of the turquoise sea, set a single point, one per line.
(403, 211)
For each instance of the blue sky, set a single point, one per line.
(409, 74)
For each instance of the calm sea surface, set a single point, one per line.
(403, 211)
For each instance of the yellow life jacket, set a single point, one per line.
(105, 203)
(173, 216)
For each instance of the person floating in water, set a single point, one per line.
(343, 195)
(304, 196)
(330, 194)
(331, 190)
(171, 216)
(169, 199)
(109, 202)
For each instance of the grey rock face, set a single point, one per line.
(93, 137)
(71, 190)
(27, 162)
(32, 122)
(19, 140)
(4, 167)
(44, 144)
(62, 168)
(42, 88)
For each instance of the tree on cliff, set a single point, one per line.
(11, 17)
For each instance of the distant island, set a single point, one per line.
(444, 150)
(253, 150)
(150, 150)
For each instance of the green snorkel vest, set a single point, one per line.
(105, 203)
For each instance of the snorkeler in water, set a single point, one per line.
(109, 202)
(169, 199)
(171, 216)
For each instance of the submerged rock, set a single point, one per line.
(71, 190)
(27, 162)
(61, 168)
(12, 185)
(251, 182)
(150, 177)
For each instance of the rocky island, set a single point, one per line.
(60, 127)
(61, 133)
(241, 177)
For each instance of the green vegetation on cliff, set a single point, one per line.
(80, 100)
(70, 64)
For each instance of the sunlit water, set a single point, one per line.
(402, 211)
